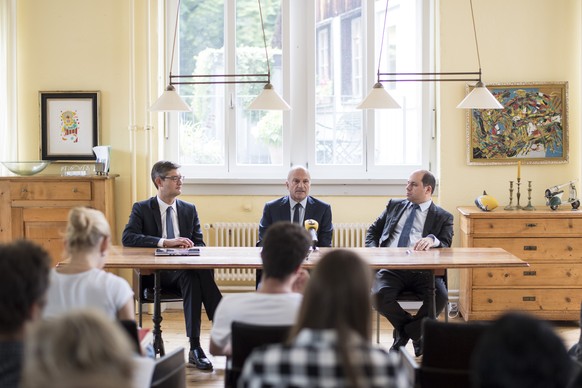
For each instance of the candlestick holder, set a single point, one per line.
(510, 207)
(529, 206)
(518, 194)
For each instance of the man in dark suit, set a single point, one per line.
(418, 223)
(165, 221)
(298, 207)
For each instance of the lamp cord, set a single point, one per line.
(475, 36)
(382, 42)
(265, 42)
(174, 42)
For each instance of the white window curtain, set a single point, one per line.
(8, 145)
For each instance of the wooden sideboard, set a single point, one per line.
(550, 241)
(37, 207)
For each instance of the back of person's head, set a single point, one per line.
(85, 229)
(24, 279)
(160, 169)
(338, 295)
(80, 346)
(285, 246)
(520, 351)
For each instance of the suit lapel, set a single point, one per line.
(309, 207)
(285, 210)
(430, 217)
(156, 213)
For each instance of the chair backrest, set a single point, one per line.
(244, 338)
(170, 370)
(447, 350)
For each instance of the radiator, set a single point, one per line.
(239, 234)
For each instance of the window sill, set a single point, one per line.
(274, 187)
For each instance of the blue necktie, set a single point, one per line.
(296, 208)
(169, 224)
(404, 239)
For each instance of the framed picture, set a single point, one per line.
(532, 128)
(69, 125)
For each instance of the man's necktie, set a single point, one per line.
(169, 224)
(296, 211)
(404, 239)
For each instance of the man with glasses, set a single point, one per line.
(165, 221)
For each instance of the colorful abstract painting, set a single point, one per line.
(532, 127)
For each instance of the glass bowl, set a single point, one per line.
(27, 168)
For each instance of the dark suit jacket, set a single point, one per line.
(280, 210)
(439, 223)
(144, 228)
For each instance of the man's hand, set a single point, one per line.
(424, 244)
(300, 281)
(178, 242)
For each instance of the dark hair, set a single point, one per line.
(161, 169)
(519, 350)
(24, 279)
(428, 179)
(285, 246)
(338, 297)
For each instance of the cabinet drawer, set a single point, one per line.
(527, 227)
(534, 299)
(537, 249)
(534, 275)
(79, 190)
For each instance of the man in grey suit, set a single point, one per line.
(298, 207)
(418, 223)
(165, 221)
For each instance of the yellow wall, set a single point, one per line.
(85, 45)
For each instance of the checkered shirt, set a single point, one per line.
(313, 361)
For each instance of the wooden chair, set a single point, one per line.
(143, 291)
(170, 370)
(244, 338)
(447, 354)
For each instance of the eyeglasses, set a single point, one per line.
(175, 178)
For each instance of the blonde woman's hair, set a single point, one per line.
(75, 347)
(85, 229)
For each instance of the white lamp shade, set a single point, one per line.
(269, 100)
(480, 98)
(170, 101)
(378, 98)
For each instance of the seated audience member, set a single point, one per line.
(24, 278)
(329, 346)
(521, 351)
(418, 223)
(82, 283)
(82, 348)
(285, 247)
(576, 350)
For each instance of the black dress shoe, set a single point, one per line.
(198, 358)
(400, 339)
(417, 347)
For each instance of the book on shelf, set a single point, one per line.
(177, 252)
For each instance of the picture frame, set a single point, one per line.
(532, 127)
(69, 124)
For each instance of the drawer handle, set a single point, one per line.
(531, 225)
(75, 190)
(530, 247)
(489, 274)
(568, 299)
(529, 298)
(529, 273)
(24, 190)
(489, 300)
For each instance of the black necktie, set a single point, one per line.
(169, 224)
(296, 208)
(404, 239)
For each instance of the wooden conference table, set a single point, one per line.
(249, 257)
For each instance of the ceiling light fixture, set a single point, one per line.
(268, 99)
(479, 98)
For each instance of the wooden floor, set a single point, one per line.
(173, 332)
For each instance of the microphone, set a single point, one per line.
(311, 226)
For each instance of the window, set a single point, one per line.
(324, 71)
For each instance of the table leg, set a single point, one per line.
(157, 318)
(432, 298)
